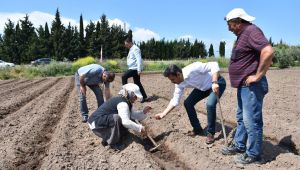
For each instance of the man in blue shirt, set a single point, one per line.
(92, 75)
(134, 62)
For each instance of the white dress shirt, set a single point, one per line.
(196, 75)
(134, 59)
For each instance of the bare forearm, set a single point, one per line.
(265, 61)
(106, 93)
(168, 109)
(215, 76)
(81, 79)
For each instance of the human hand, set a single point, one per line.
(159, 116)
(251, 79)
(147, 109)
(215, 88)
(144, 131)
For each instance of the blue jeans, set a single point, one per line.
(197, 95)
(249, 133)
(82, 98)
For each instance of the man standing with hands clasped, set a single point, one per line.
(134, 62)
(251, 58)
(207, 82)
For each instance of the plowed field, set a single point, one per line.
(40, 128)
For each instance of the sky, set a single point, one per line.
(169, 19)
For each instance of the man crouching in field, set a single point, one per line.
(207, 82)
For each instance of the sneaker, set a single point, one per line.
(85, 119)
(231, 150)
(209, 138)
(194, 133)
(245, 159)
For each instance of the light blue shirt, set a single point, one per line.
(134, 59)
(92, 74)
(196, 75)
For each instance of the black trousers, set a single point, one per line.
(136, 80)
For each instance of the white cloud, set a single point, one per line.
(36, 17)
(119, 22)
(142, 34)
(40, 18)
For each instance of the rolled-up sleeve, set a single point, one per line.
(177, 95)
(124, 113)
(214, 67)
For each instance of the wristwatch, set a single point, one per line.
(214, 82)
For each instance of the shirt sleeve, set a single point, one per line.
(137, 54)
(214, 67)
(257, 40)
(138, 115)
(200, 67)
(177, 95)
(124, 113)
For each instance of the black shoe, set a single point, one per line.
(231, 150)
(144, 100)
(104, 143)
(85, 119)
(245, 159)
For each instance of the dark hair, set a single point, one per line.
(128, 39)
(110, 76)
(238, 20)
(172, 70)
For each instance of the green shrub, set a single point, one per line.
(283, 57)
(83, 62)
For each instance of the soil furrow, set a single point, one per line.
(15, 100)
(29, 146)
(3, 82)
(19, 86)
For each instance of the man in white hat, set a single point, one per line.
(250, 60)
(111, 120)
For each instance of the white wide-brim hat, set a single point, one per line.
(239, 13)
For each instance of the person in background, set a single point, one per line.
(251, 58)
(207, 82)
(111, 120)
(134, 62)
(92, 75)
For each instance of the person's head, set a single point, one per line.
(236, 19)
(174, 74)
(131, 92)
(128, 42)
(108, 77)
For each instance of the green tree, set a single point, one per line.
(105, 36)
(26, 39)
(222, 49)
(211, 51)
(57, 30)
(82, 45)
(9, 45)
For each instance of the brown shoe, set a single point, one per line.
(209, 139)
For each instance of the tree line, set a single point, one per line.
(22, 42)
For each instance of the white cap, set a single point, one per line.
(130, 87)
(239, 13)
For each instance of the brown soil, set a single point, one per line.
(40, 128)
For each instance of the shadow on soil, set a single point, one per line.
(270, 150)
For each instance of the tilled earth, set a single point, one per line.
(41, 128)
